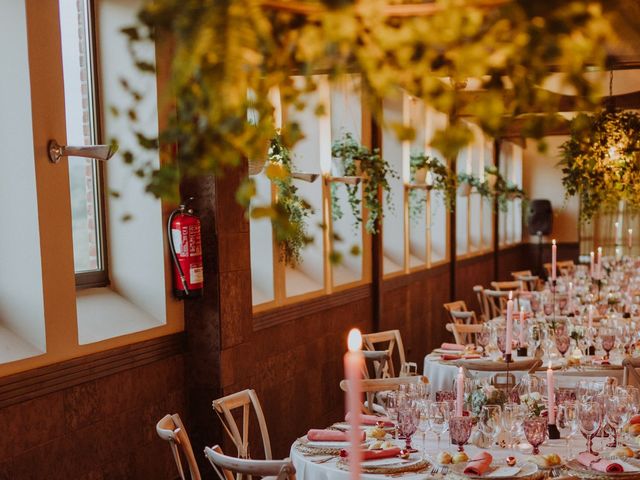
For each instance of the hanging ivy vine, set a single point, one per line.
(443, 181)
(600, 162)
(358, 160)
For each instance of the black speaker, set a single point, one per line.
(540, 217)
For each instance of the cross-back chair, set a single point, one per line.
(482, 302)
(631, 374)
(463, 334)
(459, 313)
(375, 363)
(506, 286)
(528, 281)
(247, 400)
(371, 387)
(390, 341)
(564, 267)
(171, 429)
(225, 466)
(496, 301)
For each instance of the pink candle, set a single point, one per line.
(353, 364)
(630, 239)
(592, 264)
(459, 392)
(554, 251)
(590, 318)
(509, 335)
(521, 327)
(599, 268)
(551, 394)
(570, 299)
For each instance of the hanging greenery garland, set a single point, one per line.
(443, 181)
(600, 162)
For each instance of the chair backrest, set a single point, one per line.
(482, 302)
(496, 300)
(564, 267)
(529, 365)
(528, 281)
(521, 273)
(171, 429)
(459, 313)
(370, 387)
(378, 360)
(247, 400)
(506, 286)
(631, 372)
(391, 341)
(272, 469)
(463, 334)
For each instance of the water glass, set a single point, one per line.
(590, 419)
(490, 421)
(567, 422)
(439, 419)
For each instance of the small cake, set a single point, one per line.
(623, 452)
(634, 429)
(444, 458)
(377, 433)
(460, 457)
(552, 459)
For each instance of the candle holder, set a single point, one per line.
(553, 432)
(521, 351)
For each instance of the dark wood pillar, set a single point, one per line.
(453, 240)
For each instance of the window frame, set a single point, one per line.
(100, 276)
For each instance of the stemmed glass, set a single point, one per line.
(590, 419)
(490, 421)
(617, 412)
(483, 337)
(567, 422)
(608, 338)
(460, 430)
(408, 418)
(392, 407)
(439, 419)
(501, 339)
(512, 416)
(535, 430)
(423, 424)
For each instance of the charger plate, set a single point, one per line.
(304, 446)
(411, 465)
(586, 472)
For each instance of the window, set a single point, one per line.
(511, 217)
(82, 122)
(273, 282)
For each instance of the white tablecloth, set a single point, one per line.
(307, 469)
(441, 374)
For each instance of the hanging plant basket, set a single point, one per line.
(464, 189)
(420, 176)
(600, 162)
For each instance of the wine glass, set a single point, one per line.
(608, 337)
(392, 406)
(501, 339)
(567, 422)
(408, 418)
(423, 423)
(535, 430)
(439, 419)
(460, 430)
(590, 419)
(512, 416)
(490, 421)
(483, 337)
(617, 412)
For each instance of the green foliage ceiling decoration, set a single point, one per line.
(601, 164)
(213, 52)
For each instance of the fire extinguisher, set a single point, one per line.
(183, 231)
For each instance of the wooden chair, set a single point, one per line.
(631, 374)
(391, 341)
(245, 468)
(506, 286)
(482, 302)
(496, 301)
(378, 361)
(371, 387)
(565, 267)
(246, 399)
(463, 334)
(171, 429)
(459, 313)
(528, 281)
(529, 365)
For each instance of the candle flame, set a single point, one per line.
(553, 242)
(354, 340)
(510, 294)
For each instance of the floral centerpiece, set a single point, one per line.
(534, 403)
(482, 395)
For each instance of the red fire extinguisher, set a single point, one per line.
(183, 230)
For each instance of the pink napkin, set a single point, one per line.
(599, 464)
(600, 361)
(455, 356)
(635, 419)
(315, 435)
(452, 346)
(479, 464)
(378, 454)
(371, 420)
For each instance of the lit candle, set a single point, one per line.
(353, 365)
(630, 239)
(599, 268)
(590, 318)
(521, 340)
(592, 269)
(509, 335)
(459, 392)
(570, 299)
(551, 395)
(554, 251)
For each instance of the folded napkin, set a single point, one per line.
(452, 346)
(479, 464)
(315, 435)
(600, 361)
(635, 419)
(378, 454)
(453, 356)
(599, 464)
(371, 420)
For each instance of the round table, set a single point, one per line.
(442, 373)
(308, 468)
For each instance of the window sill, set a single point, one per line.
(14, 347)
(103, 314)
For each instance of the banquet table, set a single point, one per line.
(310, 467)
(441, 373)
